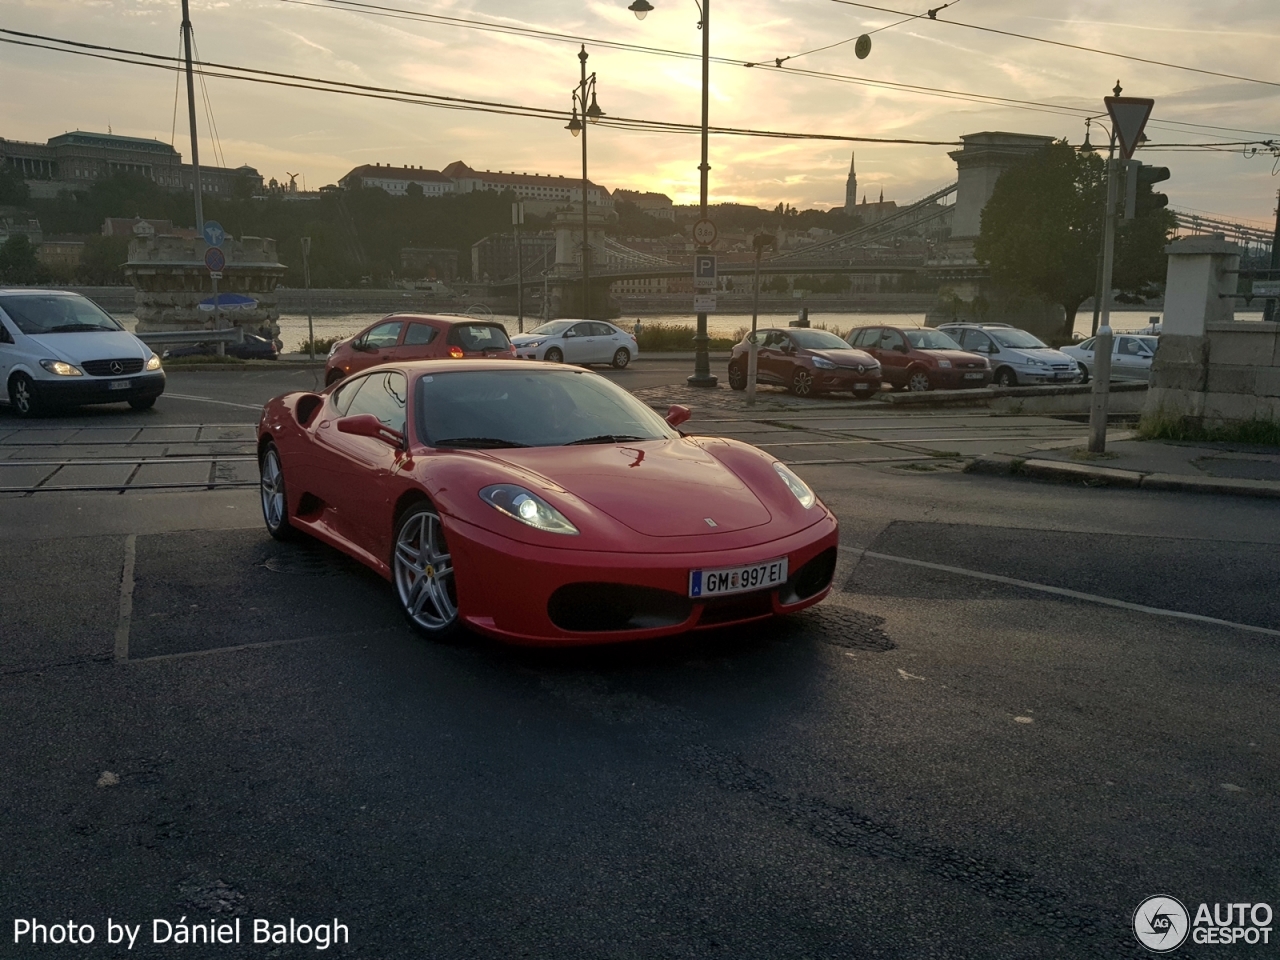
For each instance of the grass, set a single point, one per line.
(322, 345)
(1256, 431)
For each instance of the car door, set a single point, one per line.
(579, 342)
(893, 357)
(376, 345)
(1131, 360)
(418, 342)
(362, 466)
(607, 341)
(771, 364)
(8, 353)
(975, 341)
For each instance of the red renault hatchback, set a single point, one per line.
(413, 336)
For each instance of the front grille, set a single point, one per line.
(1062, 366)
(814, 577)
(971, 366)
(112, 368)
(730, 609)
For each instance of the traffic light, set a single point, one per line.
(1139, 174)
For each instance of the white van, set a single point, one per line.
(62, 349)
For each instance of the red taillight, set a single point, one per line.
(455, 352)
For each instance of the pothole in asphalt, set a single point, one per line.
(307, 563)
(844, 627)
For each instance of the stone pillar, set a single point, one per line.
(1202, 273)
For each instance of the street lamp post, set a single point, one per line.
(702, 376)
(306, 280)
(590, 113)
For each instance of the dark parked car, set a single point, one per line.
(806, 362)
(403, 337)
(920, 359)
(253, 348)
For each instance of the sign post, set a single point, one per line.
(306, 281)
(215, 260)
(1128, 117)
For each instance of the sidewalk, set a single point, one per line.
(1199, 467)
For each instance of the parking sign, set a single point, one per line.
(704, 271)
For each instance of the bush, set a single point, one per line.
(322, 345)
(668, 337)
(1262, 432)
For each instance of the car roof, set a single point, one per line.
(436, 318)
(415, 368)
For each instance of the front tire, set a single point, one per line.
(423, 574)
(621, 357)
(1006, 378)
(737, 377)
(802, 383)
(554, 355)
(22, 396)
(1084, 372)
(918, 381)
(275, 500)
(333, 377)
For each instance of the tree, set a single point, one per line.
(102, 260)
(13, 189)
(18, 263)
(1042, 231)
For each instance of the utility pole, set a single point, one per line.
(191, 116)
(702, 376)
(306, 280)
(586, 242)
(1103, 343)
(759, 241)
(517, 218)
(1269, 311)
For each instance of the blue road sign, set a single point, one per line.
(214, 235)
(704, 271)
(214, 258)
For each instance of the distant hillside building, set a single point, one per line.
(396, 180)
(656, 205)
(76, 160)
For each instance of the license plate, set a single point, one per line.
(726, 580)
(973, 376)
(119, 384)
(861, 386)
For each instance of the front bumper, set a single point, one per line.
(1041, 375)
(518, 611)
(75, 391)
(844, 379)
(960, 379)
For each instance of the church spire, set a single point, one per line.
(851, 186)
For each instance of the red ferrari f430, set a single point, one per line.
(541, 504)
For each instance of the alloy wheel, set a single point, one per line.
(737, 377)
(621, 358)
(802, 383)
(424, 573)
(554, 355)
(22, 395)
(275, 510)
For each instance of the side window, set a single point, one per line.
(867, 337)
(343, 395)
(976, 340)
(582, 330)
(383, 335)
(602, 330)
(1087, 345)
(419, 335)
(382, 394)
(5, 335)
(891, 340)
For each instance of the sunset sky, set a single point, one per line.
(322, 135)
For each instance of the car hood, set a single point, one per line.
(520, 339)
(1047, 354)
(846, 358)
(953, 355)
(659, 488)
(91, 345)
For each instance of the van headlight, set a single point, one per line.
(61, 368)
(153, 363)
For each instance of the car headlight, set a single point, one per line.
(333, 347)
(534, 343)
(530, 509)
(60, 368)
(944, 364)
(797, 486)
(1034, 362)
(823, 364)
(153, 363)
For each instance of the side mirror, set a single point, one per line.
(677, 414)
(367, 425)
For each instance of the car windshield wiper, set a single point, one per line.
(71, 327)
(478, 442)
(605, 438)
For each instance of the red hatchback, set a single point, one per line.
(413, 336)
(919, 359)
(807, 362)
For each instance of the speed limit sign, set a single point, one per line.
(704, 233)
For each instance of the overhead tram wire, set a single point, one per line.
(400, 13)
(417, 98)
(779, 61)
(1069, 46)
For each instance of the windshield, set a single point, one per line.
(56, 313)
(818, 340)
(931, 340)
(554, 328)
(534, 408)
(1015, 338)
(479, 336)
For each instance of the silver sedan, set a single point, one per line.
(1131, 356)
(577, 341)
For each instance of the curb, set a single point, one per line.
(1090, 476)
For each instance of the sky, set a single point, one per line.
(321, 136)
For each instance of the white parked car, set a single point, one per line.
(577, 341)
(1131, 356)
(61, 349)
(1016, 357)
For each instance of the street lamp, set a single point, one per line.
(592, 113)
(702, 376)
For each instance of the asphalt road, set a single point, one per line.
(1010, 724)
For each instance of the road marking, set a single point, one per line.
(905, 441)
(126, 597)
(224, 403)
(260, 645)
(1073, 594)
